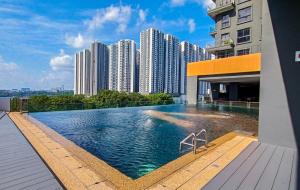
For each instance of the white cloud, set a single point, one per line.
(142, 15)
(7, 67)
(55, 79)
(78, 41)
(62, 62)
(203, 3)
(119, 15)
(192, 25)
(177, 3)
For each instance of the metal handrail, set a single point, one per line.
(195, 138)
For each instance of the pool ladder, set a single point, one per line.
(194, 137)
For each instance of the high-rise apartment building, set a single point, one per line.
(99, 67)
(113, 67)
(82, 72)
(137, 69)
(152, 61)
(172, 65)
(126, 65)
(238, 27)
(188, 53)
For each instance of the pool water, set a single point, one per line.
(125, 138)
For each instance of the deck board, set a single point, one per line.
(256, 171)
(270, 172)
(266, 167)
(237, 178)
(20, 165)
(283, 177)
(223, 176)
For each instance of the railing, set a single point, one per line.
(221, 3)
(245, 104)
(194, 138)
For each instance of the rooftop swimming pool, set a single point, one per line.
(137, 143)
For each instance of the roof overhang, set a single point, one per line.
(235, 65)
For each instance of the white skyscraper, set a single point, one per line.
(82, 72)
(113, 67)
(99, 67)
(152, 61)
(172, 64)
(126, 65)
(188, 53)
(137, 69)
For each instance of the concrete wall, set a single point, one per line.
(4, 104)
(279, 88)
(192, 90)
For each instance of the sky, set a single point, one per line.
(38, 39)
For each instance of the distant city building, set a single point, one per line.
(137, 69)
(82, 72)
(172, 65)
(188, 53)
(126, 65)
(99, 67)
(152, 61)
(25, 89)
(14, 90)
(113, 67)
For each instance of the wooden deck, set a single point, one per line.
(20, 165)
(261, 167)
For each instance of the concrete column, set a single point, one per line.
(279, 88)
(191, 90)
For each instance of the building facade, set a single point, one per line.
(172, 65)
(137, 69)
(113, 67)
(234, 74)
(238, 27)
(82, 73)
(188, 53)
(99, 68)
(152, 61)
(126, 65)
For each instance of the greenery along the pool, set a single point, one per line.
(104, 99)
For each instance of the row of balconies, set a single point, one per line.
(221, 45)
(220, 7)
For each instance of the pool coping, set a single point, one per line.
(115, 177)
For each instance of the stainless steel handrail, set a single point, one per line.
(195, 138)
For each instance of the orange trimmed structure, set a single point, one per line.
(233, 78)
(226, 66)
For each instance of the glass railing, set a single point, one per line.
(220, 4)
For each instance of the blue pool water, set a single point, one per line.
(125, 138)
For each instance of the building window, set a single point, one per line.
(243, 35)
(243, 51)
(225, 38)
(242, 1)
(225, 53)
(244, 15)
(225, 21)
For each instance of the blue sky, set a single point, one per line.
(39, 38)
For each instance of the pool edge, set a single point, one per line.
(118, 179)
